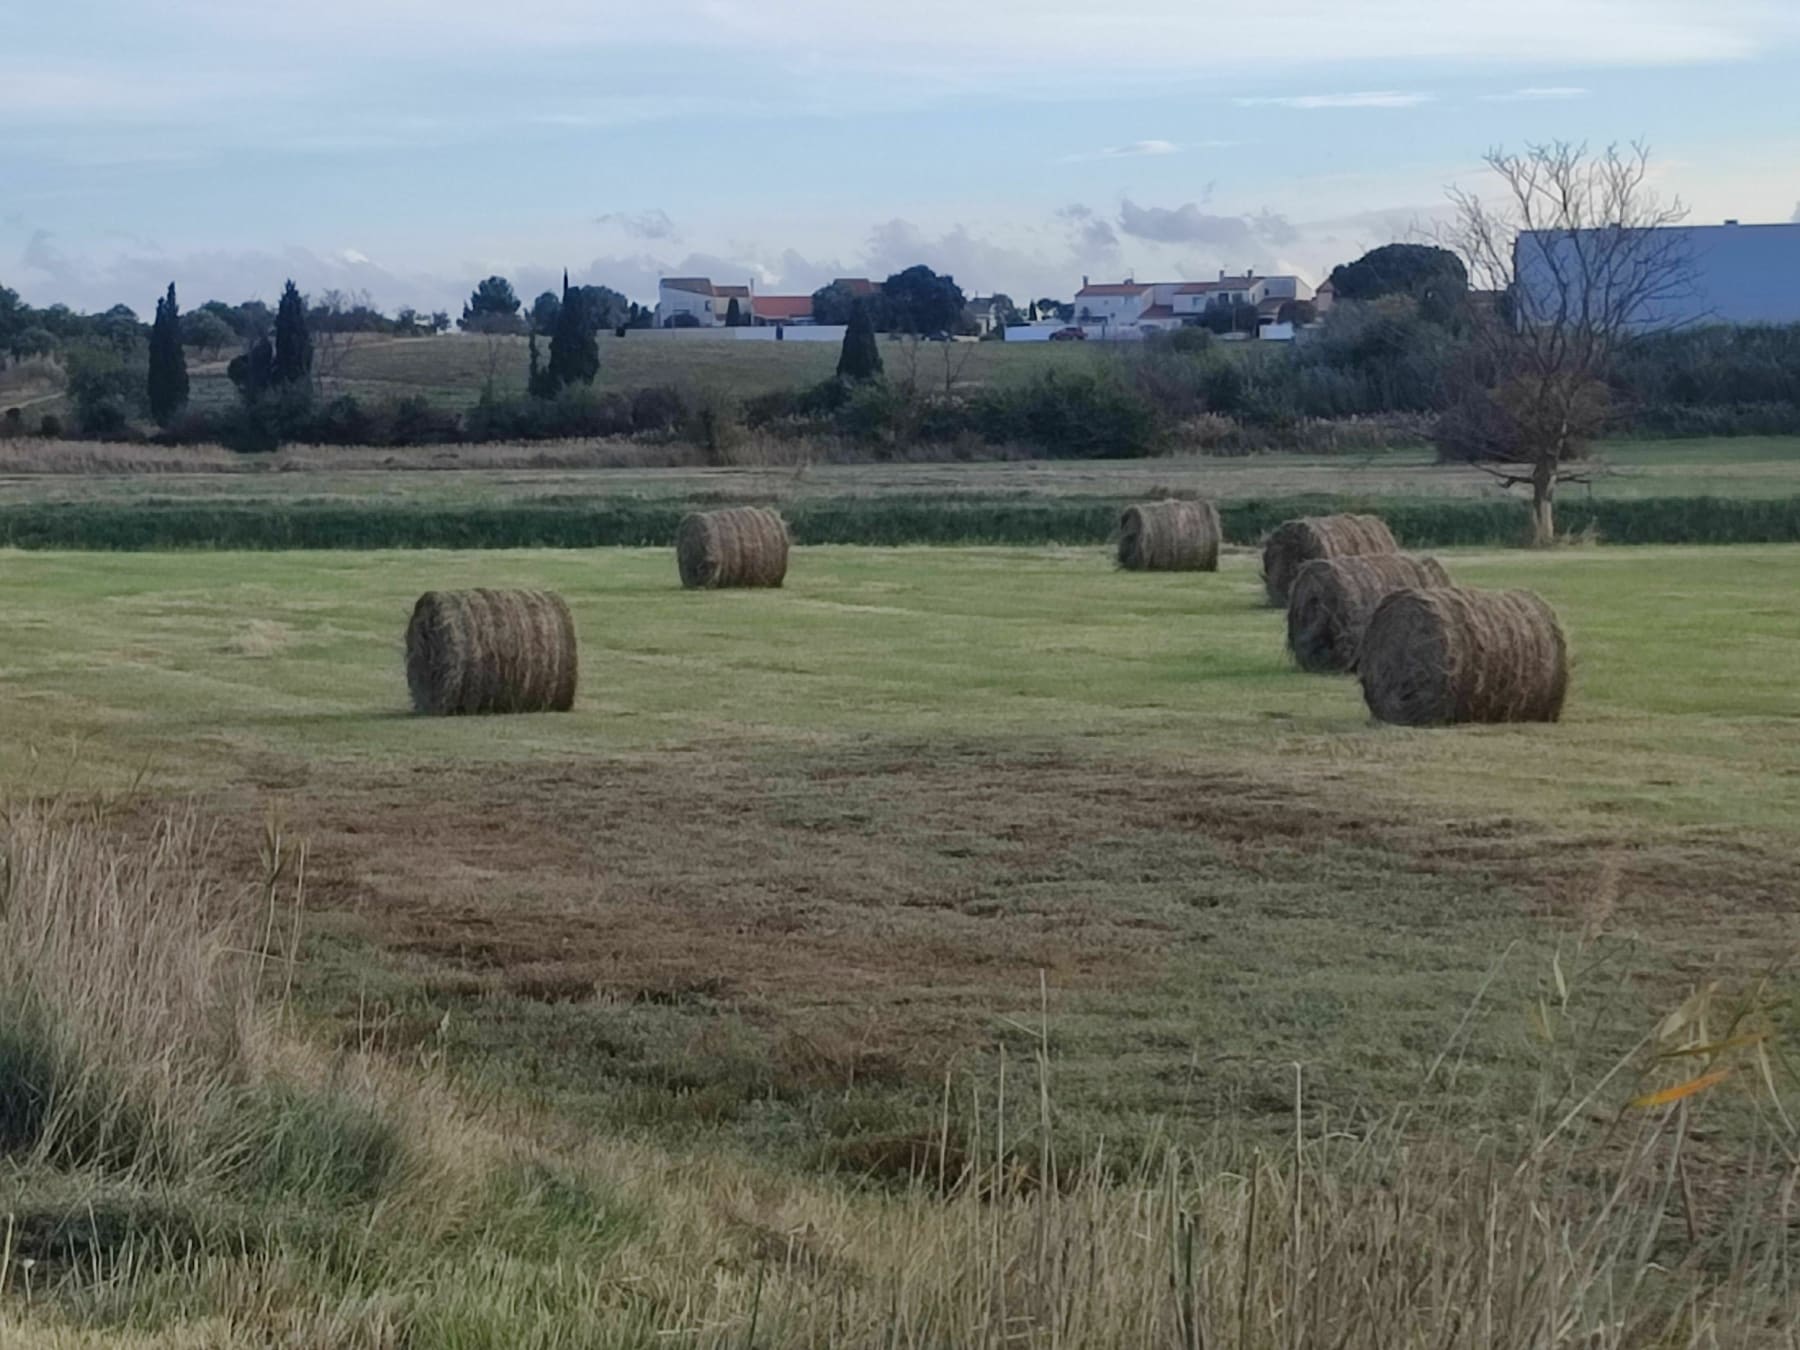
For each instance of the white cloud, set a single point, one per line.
(1138, 149)
(1537, 94)
(827, 51)
(1383, 98)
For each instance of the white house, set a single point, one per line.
(709, 304)
(1729, 274)
(1136, 308)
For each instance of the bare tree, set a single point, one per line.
(1576, 256)
(336, 321)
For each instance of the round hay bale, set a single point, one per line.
(1295, 542)
(1331, 600)
(1456, 654)
(739, 546)
(486, 651)
(1169, 536)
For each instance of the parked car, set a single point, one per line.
(1069, 335)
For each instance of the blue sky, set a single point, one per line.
(408, 147)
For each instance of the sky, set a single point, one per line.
(407, 148)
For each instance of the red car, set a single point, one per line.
(1068, 335)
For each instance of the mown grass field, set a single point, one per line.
(135, 498)
(595, 1027)
(1752, 468)
(889, 796)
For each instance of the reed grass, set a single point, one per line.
(385, 1210)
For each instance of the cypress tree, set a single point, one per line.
(575, 345)
(860, 358)
(168, 380)
(536, 382)
(293, 344)
(734, 317)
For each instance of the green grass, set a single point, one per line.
(1047, 675)
(719, 941)
(1702, 492)
(1739, 470)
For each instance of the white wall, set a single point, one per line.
(792, 333)
(705, 308)
(1110, 310)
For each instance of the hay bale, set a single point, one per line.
(1169, 536)
(487, 651)
(740, 546)
(1296, 542)
(1456, 654)
(1331, 600)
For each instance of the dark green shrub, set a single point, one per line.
(776, 405)
(657, 407)
(1064, 415)
(344, 421)
(592, 523)
(416, 421)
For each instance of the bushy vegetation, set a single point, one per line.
(1396, 354)
(889, 519)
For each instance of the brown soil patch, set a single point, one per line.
(879, 874)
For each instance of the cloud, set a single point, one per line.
(1537, 94)
(135, 275)
(1135, 150)
(653, 224)
(1275, 228)
(1189, 224)
(1091, 236)
(1384, 98)
(1009, 39)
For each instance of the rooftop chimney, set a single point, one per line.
(1084, 279)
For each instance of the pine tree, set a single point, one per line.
(293, 344)
(168, 380)
(575, 345)
(860, 358)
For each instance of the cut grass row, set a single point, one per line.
(158, 524)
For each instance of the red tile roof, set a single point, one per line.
(732, 292)
(695, 285)
(782, 307)
(1158, 312)
(858, 286)
(1123, 288)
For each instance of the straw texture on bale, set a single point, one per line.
(739, 546)
(1169, 537)
(1297, 542)
(486, 651)
(1331, 600)
(1456, 654)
